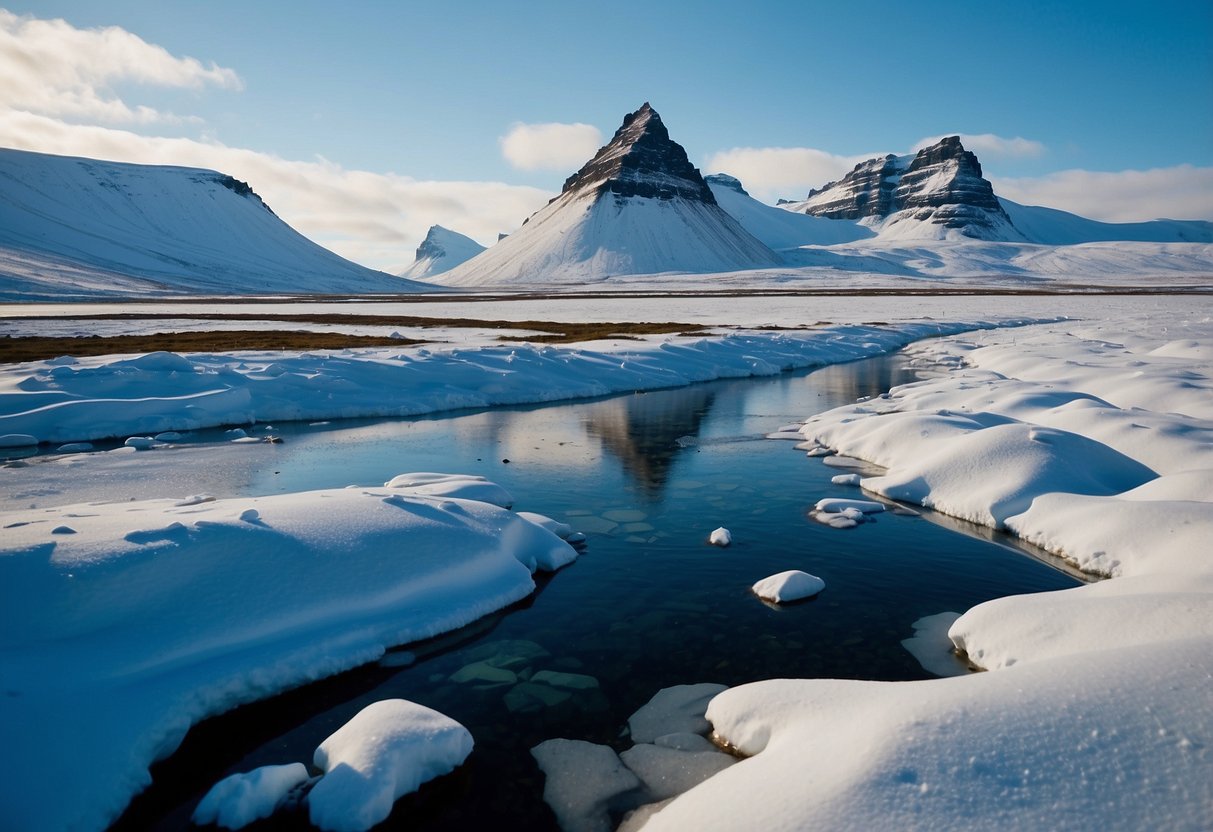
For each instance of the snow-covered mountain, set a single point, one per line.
(74, 227)
(777, 228)
(637, 207)
(1060, 228)
(938, 193)
(440, 251)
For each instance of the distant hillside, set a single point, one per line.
(440, 251)
(74, 227)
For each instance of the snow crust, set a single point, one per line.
(155, 614)
(385, 752)
(121, 396)
(1092, 440)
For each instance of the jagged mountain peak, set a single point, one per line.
(723, 180)
(641, 160)
(937, 191)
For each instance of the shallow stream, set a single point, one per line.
(649, 604)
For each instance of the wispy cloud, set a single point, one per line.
(56, 97)
(52, 68)
(1183, 192)
(769, 173)
(551, 146)
(990, 146)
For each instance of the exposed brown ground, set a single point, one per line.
(34, 348)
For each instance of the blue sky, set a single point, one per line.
(426, 92)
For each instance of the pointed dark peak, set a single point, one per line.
(641, 160)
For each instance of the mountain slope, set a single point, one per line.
(1059, 228)
(73, 227)
(777, 228)
(441, 251)
(637, 207)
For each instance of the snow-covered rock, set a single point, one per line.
(720, 537)
(456, 486)
(583, 782)
(385, 752)
(235, 802)
(792, 585)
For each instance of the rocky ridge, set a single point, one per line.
(942, 186)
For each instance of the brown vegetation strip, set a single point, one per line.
(13, 350)
(35, 348)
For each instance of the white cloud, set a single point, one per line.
(372, 218)
(56, 98)
(1183, 192)
(52, 68)
(769, 173)
(553, 146)
(988, 145)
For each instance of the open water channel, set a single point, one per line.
(648, 605)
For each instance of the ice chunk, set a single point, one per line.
(139, 443)
(236, 433)
(386, 751)
(720, 537)
(932, 647)
(673, 710)
(75, 448)
(583, 783)
(456, 486)
(792, 585)
(168, 436)
(235, 802)
(666, 772)
(846, 479)
(838, 505)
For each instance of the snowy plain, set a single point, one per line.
(1101, 717)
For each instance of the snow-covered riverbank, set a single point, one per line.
(1097, 711)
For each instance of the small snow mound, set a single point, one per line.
(386, 751)
(792, 585)
(250, 515)
(139, 443)
(75, 448)
(235, 802)
(455, 486)
(561, 530)
(17, 440)
(63, 530)
(168, 436)
(236, 433)
(161, 362)
(721, 537)
(846, 479)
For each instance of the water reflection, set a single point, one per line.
(643, 431)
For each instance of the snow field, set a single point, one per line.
(1092, 440)
(72, 400)
(126, 623)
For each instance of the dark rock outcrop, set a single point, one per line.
(941, 185)
(641, 160)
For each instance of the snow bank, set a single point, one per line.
(1096, 710)
(385, 752)
(118, 397)
(153, 615)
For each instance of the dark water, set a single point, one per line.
(648, 605)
